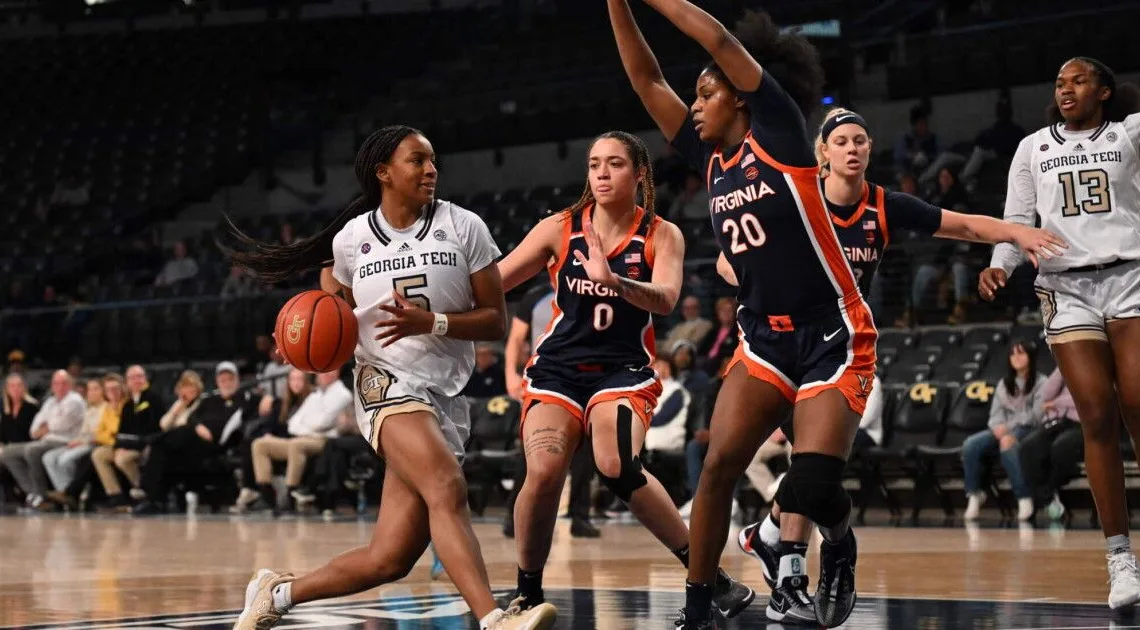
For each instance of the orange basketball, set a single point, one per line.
(316, 331)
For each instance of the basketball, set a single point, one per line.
(316, 331)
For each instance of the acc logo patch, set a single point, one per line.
(439, 235)
(365, 248)
(1110, 136)
(752, 172)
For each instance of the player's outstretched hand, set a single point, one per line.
(989, 281)
(407, 320)
(1038, 244)
(596, 265)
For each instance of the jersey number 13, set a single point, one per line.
(1095, 182)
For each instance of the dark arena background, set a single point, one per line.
(132, 127)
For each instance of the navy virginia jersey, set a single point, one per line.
(592, 327)
(768, 211)
(863, 228)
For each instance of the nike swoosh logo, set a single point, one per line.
(577, 263)
(832, 335)
(716, 180)
(844, 117)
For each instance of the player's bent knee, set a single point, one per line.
(546, 473)
(629, 479)
(813, 487)
(607, 464)
(629, 476)
(446, 491)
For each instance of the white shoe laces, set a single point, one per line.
(1122, 565)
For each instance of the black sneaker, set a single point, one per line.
(684, 623)
(582, 528)
(835, 596)
(729, 596)
(789, 602)
(768, 557)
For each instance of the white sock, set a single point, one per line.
(1118, 544)
(491, 618)
(769, 532)
(790, 564)
(283, 597)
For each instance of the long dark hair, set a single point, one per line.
(1123, 99)
(639, 153)
(276, 263)
(1010, 380)
(789, 57)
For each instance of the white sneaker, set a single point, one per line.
(1056, 509)
(245, 499)
(736, 511)
(541, 617)
(1024, 509)
(259, 612)
(974, 506)
(1123, 580)
(686, 509)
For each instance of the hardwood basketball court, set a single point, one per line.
(190, 572)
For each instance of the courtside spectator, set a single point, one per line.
(692, 327)
(179, 268)
(1051, 455)
(19, 409)
(59, 421)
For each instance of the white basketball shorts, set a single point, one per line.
(1077, 305)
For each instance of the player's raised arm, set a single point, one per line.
(1033, 241)
(660, 294)
(534, 252)
(729, 54)
(662, 103)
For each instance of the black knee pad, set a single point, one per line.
(631, 477)
(813, 487)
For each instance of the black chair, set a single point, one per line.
(492, 447)
(969, 413)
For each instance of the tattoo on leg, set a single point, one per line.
(553, 441)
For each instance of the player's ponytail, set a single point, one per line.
(639, 155)
(1123, 98)
(272, 263)
(788, 57)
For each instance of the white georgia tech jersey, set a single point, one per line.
(1085, 186)
(429, 263)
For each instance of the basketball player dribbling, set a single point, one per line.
(864, 216)
(422, 277)
(807, 337)
(613, 264)
(1081, 177)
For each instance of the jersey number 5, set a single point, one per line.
(405, 285)
(749, 228)
(1095, 182)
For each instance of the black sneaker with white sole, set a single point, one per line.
(685, 622)
(769, 558)
(729, 596)
(835, 596)
(790, 603)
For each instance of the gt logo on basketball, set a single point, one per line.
(294, 330)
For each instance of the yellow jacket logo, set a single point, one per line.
(294, 330)
(498, 405)
(923, 393)
(979, 391)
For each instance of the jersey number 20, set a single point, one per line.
(749, 228)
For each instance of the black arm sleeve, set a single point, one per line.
(688, 143)
(907, 212)
(778, 124)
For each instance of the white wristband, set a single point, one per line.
(440, 327)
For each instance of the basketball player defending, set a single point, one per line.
(807, 338)
(613, 265)
(864, 215)
(422, 277)
(1081, 177)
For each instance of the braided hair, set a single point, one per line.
(639, 154)
(276, 263)
(1123, 99)
(788, 57)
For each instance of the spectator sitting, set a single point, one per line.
(693, 328)
(919, 146)
(698, 446)
(933, 260)
(138, 420)
(667, 427)
(274, 415)
(309, 428)
(273, 375)
(59, 421)
(998, 140)
(692, 204)
(16, 419)
(328, 476)
(238, 284)
(684, 355)
(489, 378)
(185, 451)
(1051, 455)
(180, 267)
(1014, 413)
(61, 463)
(189, 390)
(720, 343)
(102, 436)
